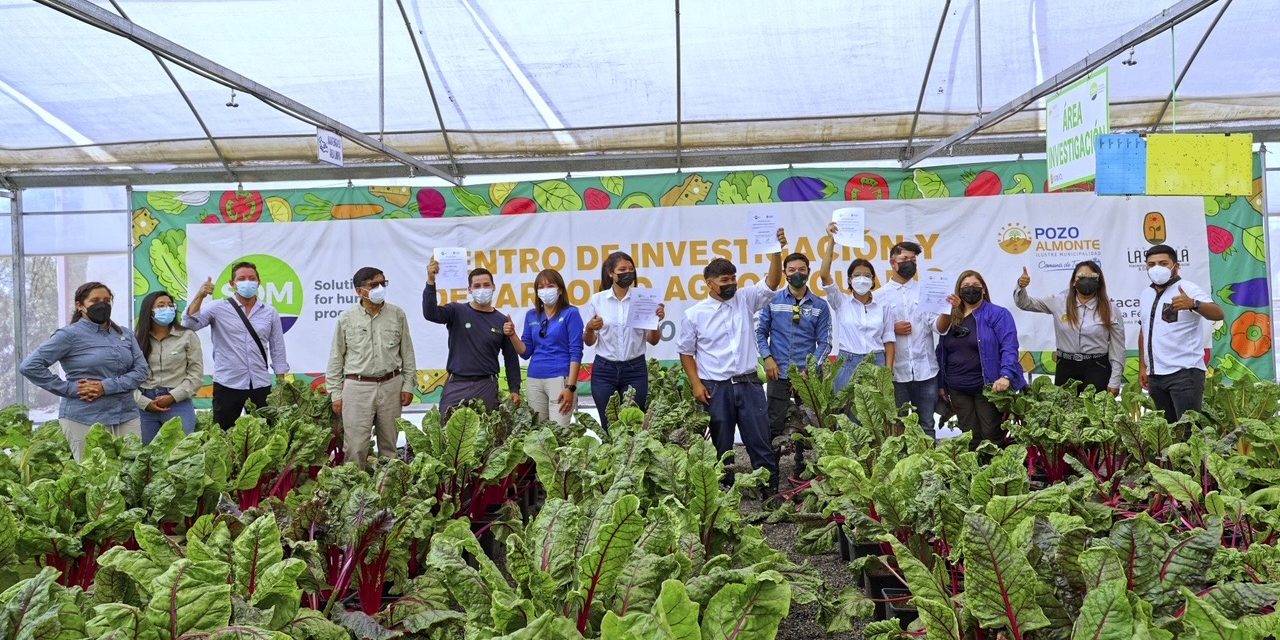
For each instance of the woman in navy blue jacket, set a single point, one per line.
(978, 349)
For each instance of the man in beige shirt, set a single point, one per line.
(371, 368)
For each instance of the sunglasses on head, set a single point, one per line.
(542, 331)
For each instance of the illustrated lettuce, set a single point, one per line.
(168, 252)
(744, 187)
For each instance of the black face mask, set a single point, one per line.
(98, 312)
(797, 280)
(1087, 286)
(907, 270)
(625, 280)
(971, 295)
(727, 291)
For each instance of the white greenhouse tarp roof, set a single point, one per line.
(560, 79)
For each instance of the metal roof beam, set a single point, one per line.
(431, 90)
(96, 16)
(1161, 22)
(924, 82)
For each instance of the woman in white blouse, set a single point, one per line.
(620, 350)
(864, 326)
(1088, 328)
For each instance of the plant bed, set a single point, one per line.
(897, 605)
(875, 579)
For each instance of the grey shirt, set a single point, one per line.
(1090, 337)
(237, 362)
(86, 351)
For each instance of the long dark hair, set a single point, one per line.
(552, 276)
(82, 294)
(611, 263)
(142, 330)
(957, 313)
(1104, 302)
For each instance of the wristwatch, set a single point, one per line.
(1195, 306)
(571, 387)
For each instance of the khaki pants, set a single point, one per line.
(76, 432)
(366, 405)
(544, 399)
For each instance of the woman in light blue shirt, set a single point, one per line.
(103, 366)
(552, 343)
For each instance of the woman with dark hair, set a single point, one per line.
(102, 364)
(552, 343)
(865, 326)
(620, 350)
(978, 349)
(1088, 328)
(177, 366)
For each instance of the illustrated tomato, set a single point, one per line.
(596, 199)
(866, 186)
(518, 206)
(211, 220)
(983, 183)
(241, 206)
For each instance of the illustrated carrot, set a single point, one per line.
(353, 211)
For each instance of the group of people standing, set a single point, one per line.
(132, 384)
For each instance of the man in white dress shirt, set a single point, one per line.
(717, 346)
(915, 363)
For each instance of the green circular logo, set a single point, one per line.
(279, 286)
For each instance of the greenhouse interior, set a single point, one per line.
(720, 464)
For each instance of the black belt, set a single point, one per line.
(1080, 357)
(461, 378)
(746, 378)
(382, 378)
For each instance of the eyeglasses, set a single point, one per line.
(960, 331)
(795, 314)
(374, 285)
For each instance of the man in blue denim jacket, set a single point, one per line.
(795, 325)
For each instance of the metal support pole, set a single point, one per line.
(924, 82)
(19, 293)
(382, 74)
(679, 96)
(128, 242)
(431, 90)
(1267, 216)
(977, 48)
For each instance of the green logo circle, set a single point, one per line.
(279, 286)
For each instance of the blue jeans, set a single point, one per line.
(923, 394)
(742, 405)
(851, 362)
(610, 376)
(151, 422)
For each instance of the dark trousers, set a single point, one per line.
(975, 413)
(780, 395)
(923, 395)
(457, 391)
(609, 377)
(742, 405)
(1178, 392)
(229, 403)
(1094, 371)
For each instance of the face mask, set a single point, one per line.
(98, 312)
(549, 295)
(1159, 275)
(164, 315)
(797, 280)
(625, 280)
(727, 291)
(907, 270)
(971, 295)
(378, 295)
(482, 297)
(1087, 286)
(860, 285)
(247, 288)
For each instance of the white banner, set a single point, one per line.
(307, 267)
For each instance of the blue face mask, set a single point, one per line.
(164, 315)
(247, 288)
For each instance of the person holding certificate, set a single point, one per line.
(979, 348)
(552, 343)
(1088, 329)
(915, 365)
(620, 347)
(865, 326)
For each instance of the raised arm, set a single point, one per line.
(828, 256)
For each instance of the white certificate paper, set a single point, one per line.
(934, 289)
(453, 267)
(762, 232)
(851, 225)
(643, 313)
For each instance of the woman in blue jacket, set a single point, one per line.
(979, 348)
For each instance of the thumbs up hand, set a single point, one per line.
(595, 323)
(1182, 301)
(1024, 279)
(206, 289)
(509, 327)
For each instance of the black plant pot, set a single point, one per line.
(875, 579)
(842, 541)
(903, 610)
(863, 549)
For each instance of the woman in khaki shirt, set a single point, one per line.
(177, 366)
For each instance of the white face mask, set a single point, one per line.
(549, 295)
(378, 295)
(1159, 275)
(482, 297)
(860, 285)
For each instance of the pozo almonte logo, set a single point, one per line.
(279, 286)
